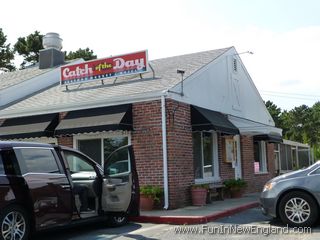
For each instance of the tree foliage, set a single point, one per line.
(29, 47)
(6, 53)
(86, 54)
(301, 124)
(275, 112)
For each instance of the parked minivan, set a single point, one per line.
(44, 186)
(294, 197)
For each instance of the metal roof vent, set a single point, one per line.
(52, 40)
(51, 55)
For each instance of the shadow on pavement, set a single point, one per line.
(94, 231)
(254, 216)
(249, 216)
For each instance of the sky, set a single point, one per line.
(284, 35)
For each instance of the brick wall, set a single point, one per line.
(147, 144)
(226, 170)
(255, 181)
(180, 153)
(65, 141)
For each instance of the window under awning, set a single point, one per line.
(29, 127)
(205, 119)
(96, 120)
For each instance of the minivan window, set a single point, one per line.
(77, 163)
(36, 160)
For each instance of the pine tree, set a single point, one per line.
(86, 54)
(6, 53)
(29, 48)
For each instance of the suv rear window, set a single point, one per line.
(36, 160)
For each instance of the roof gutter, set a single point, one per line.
(11, 113)
(164, 151)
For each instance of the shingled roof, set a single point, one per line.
(10, 79)
(58, 98)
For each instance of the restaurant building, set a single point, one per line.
(194, 118)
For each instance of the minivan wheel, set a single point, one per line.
(118, 220)
(14, 224)
(298, 209)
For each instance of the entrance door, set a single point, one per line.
(120, 193)
(49, 187)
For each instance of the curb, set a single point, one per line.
(186, 220)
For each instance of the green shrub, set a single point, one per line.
(152, 191)
(235, 183)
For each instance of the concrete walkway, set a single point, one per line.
(202, 214)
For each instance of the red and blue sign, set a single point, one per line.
(132, 63)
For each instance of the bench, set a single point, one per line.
(216, 192)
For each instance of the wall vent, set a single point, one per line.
(235, 65)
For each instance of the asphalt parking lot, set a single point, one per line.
(250, 224)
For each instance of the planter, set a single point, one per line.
(235, 187)
(199, 196)
(235, 193)
(146, 203)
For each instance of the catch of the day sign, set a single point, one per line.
(126, 64)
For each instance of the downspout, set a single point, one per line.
(164, 151)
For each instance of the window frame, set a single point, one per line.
(278, 158)
(100, 136)
(215, 159)
(262, 145)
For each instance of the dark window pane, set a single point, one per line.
(1, 165)
(92, 148)
(197, 154)
(207, 154)
(112, 144)
(303, 155)
(294, 158)
(289, 157)
(283, 158)
(36, 160)
(257, 157)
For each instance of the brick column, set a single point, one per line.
(147, 144)
(180, 153)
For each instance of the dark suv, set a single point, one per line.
(44, 186)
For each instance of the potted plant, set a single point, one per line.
(235, 187)
(199, 194)
(149, 194)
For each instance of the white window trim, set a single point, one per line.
(215, 161)
(101, 136)
(277, 152)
